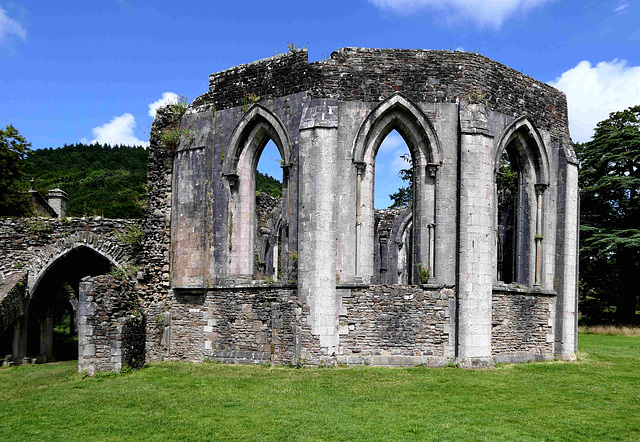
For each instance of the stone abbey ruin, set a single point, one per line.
(474, 271)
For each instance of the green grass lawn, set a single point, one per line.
(597, 398)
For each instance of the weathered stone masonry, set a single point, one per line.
(458, 113)
(320, 277)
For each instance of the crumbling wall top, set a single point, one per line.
(371, 75)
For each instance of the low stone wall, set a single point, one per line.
(397, 325)
(522, 325)
(111, 326)
(238, 325)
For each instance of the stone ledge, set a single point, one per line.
(186, 290)
(516, 288)
(241, 356)
(518, 357)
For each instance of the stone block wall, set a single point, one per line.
(397, 325)
(238, 325)
(522, 325)
(111, 325)
(363, 74)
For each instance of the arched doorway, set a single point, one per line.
(49, 330)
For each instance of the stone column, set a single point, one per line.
(475, 275)
(539, 235)
(46, 333)
(317, 220)
(19, 347)
(567, 264)
(431, 210)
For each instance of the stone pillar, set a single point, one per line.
(19, 350)
(475, 275)
(317, 220)
(431, 219)
(567, 260)
(539, 235)
(46, 333)
(57, 199)
(87, 308)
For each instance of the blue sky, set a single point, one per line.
(78, 70)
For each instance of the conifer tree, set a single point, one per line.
(610, 219)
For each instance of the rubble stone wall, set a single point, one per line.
(238, 325)
(522, 325)
(111, 330)
(397, 325)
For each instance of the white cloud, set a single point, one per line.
(167, 97)
(118, 131)
(8, 26)
(623, 6)
(595, 91)
(487, 13)
(392, 141)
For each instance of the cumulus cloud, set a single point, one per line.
(488, 13)
(595, 91)
(167, 97)
(118, 131)
(8, 27)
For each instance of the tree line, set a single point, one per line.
(100, 180)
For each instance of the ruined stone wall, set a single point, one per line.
(397, 325)
(522, 325)
(239, 325)
(12, 297)
(284, 74)
(26, 240)
(111, 330)
(370, 75)
(154, 278)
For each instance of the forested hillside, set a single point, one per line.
(103, 180)
(99, 180)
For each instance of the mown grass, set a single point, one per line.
(597, 398)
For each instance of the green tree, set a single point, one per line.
(610, 219)
(100, 180)
(14, 201)
(404, 195)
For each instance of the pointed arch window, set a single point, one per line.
(521, 171)
(399, 114)
(255, 130)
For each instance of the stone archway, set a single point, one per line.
(53, 283)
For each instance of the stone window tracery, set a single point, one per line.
(521, 171)
(252, 244)
(397, 113)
